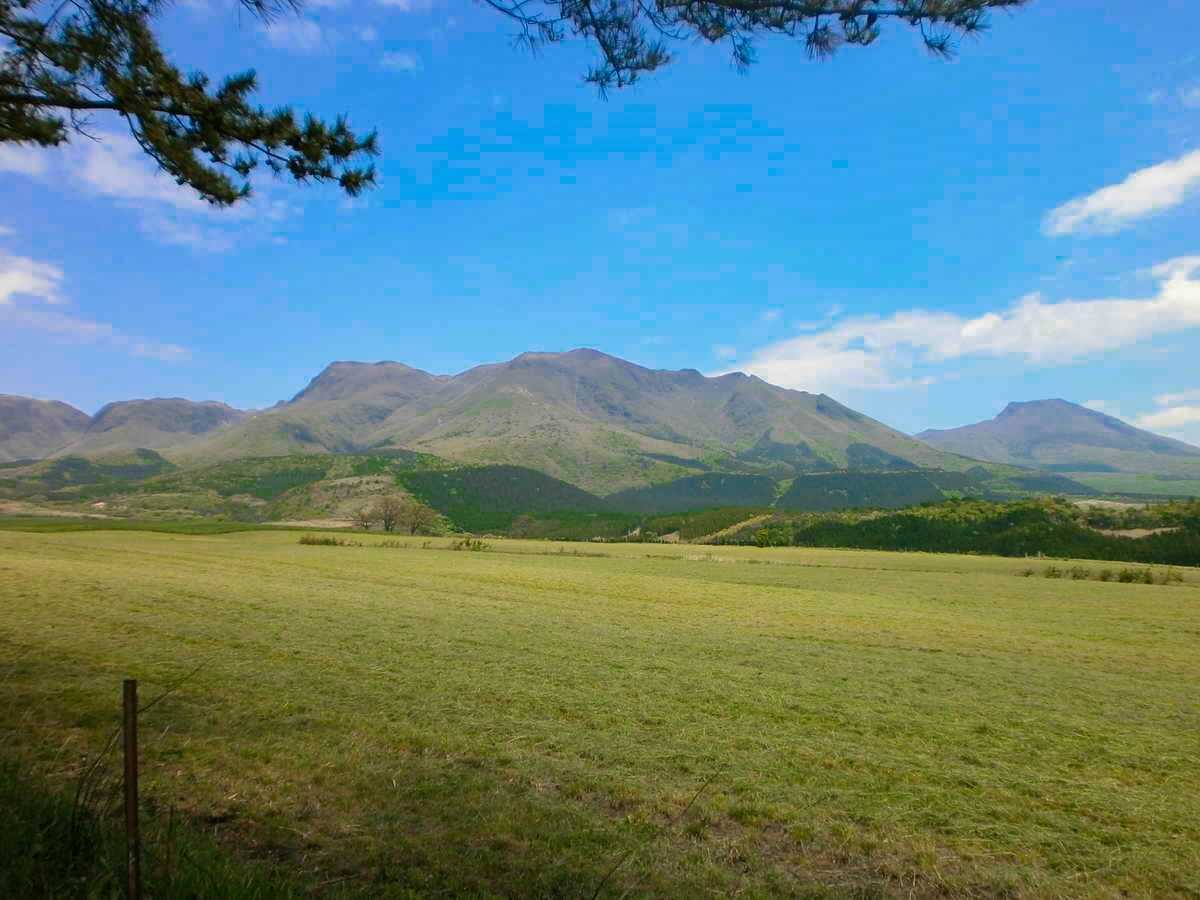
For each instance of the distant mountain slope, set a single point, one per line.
(1066, 437)
(157, 424)
(32, 429)
(590, 419)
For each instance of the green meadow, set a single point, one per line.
(398, 718)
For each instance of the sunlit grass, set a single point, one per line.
(514, 721)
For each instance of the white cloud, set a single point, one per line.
(1144, 193)
(295, 34)
(1192, 396)
(22, 159)
(115, 166)
(1170, 419)
(22, 277)
(368, 33)
(1190, 96)
(770, 315)
(400, 61)
(869, 352)
(5, 231)
(30, 295)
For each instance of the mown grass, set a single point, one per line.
(514, 722)
(61, 524)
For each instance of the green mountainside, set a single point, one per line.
(595, 421)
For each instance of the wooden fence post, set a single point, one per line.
(133, 837)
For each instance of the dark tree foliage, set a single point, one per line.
(632, 35)
(63, 59)
(1026, 528)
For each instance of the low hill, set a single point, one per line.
(1032, 528)
(78, 477)
(697, 492)
(1066, 437)
(880, 490)
(33, 429)
(491, 498)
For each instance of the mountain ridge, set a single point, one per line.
(591, 419)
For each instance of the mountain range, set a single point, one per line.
(587, 418)
(590, 419)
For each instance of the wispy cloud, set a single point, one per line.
(1190, 396)
(297, 35)
(725, 351)
(22, 277)
(167, 230)
(114, 167)
(1171, 418)
(813, 324)
(874, 353)
(22, 159)
(1177, 414)
(407, 5)
(400, 61)
(1146, 192)
(31, 300)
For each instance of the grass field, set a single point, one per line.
(535, 719)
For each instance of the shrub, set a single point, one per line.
(1053, 572)
(1106, 575)
(325, 540)
(469, 543)
(1079, 573)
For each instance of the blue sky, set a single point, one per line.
(923, 240)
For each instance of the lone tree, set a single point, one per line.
(365, 518)
(417, 517)
(388, 512)
(63, 59)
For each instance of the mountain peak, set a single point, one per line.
(344, 377)
(1059, 433)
